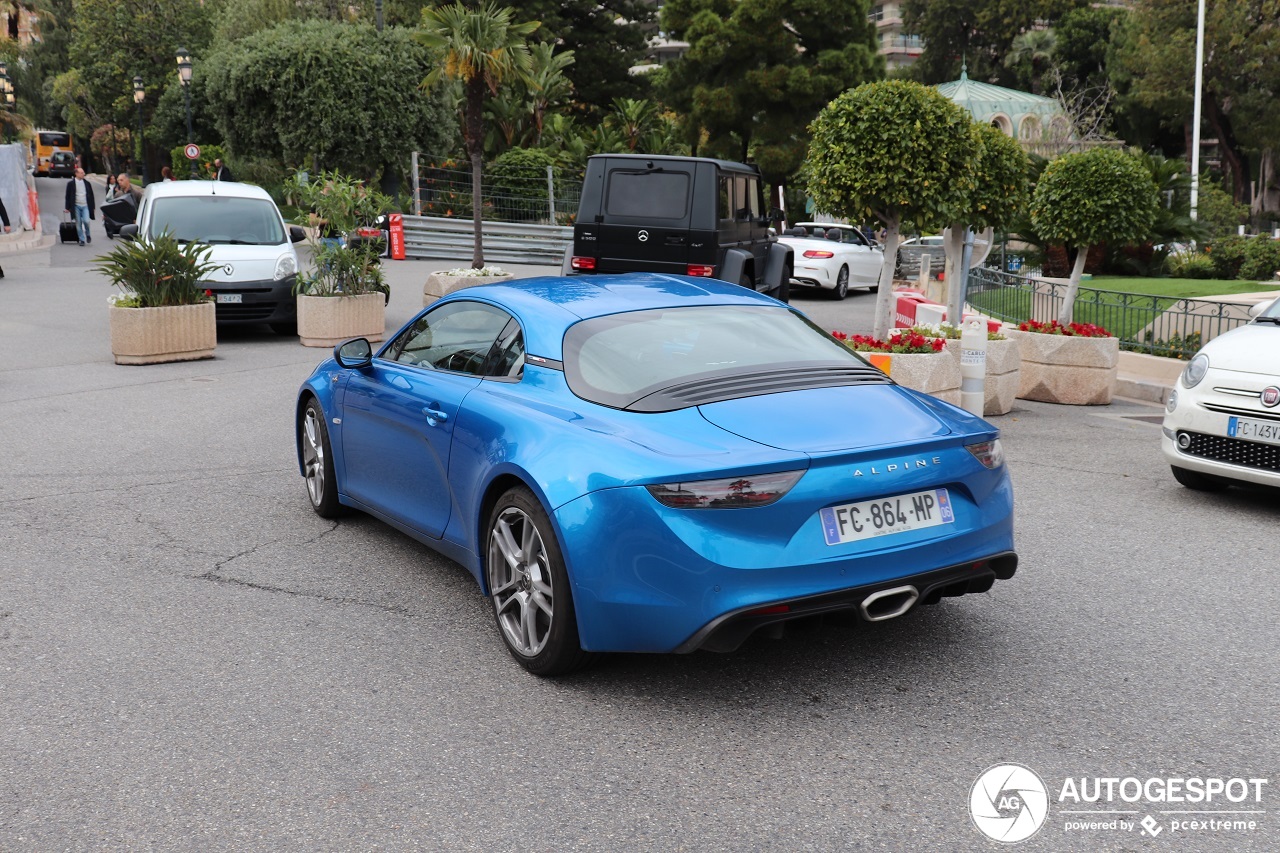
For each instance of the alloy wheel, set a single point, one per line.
(520, 579)
(313, 456)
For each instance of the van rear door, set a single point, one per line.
(644, 217)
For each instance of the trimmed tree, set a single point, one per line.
(1095, 196)
(895, 151)
(1001, 174)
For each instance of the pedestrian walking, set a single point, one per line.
(79, 202)
(4, 217)
(221, 172)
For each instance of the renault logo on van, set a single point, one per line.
(228, 269)
(643, 235)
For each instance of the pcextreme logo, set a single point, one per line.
(1010, 803)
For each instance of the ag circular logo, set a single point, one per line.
(1008, 803)
(643, 235)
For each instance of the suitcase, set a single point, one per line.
(67, 231)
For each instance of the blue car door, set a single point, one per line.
(399, 414)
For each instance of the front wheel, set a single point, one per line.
(317, 462)
(1199, 482)
(529, 587)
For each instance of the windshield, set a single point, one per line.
(621, 359)
(218, 219)
(62, 140)
(652, 194)
(1271, 314)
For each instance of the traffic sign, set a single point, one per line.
(192, 151)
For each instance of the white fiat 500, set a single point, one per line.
(1223, 416)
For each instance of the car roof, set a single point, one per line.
(232, 189)
(548, 305)
(725, 165)
(826, 225)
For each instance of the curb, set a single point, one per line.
(1142, 389)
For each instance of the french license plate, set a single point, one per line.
(229, 298)
(886, 516)
(1266, 432)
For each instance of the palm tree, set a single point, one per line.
(633, 120)
(547, 82)
(1034, 47)
(480, 48)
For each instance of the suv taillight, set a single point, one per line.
(583, 263)
(700, 270)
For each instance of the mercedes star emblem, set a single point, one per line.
(643, 235)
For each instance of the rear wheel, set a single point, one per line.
(1199, 482)
(529, 587)
(842, 284)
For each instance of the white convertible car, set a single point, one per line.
(1223, 417)
(833, 257)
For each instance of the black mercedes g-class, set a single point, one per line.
(684, 215)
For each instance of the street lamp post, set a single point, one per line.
(184, 76)
(140, 95)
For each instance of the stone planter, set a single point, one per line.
(1067, 369)
(326, 321)
(157, 335)
(936, 374)
(1002, 384)
(439, 285)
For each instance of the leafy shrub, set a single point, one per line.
(343, 204)
(900, 341)
(204, 166)
(1261, 259)
(1079, 330)
(1177, 346)
(518, 184)
(1190, 265)
(158, 272)
(1227, 254)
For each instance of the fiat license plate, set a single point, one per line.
(229, 298)
(886, 516)
(1266, 432)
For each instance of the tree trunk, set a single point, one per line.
(884, 298)
(1069, 301)
(954, 246)
(475, 149)
(1237, 159)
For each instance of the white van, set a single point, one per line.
(252, 245)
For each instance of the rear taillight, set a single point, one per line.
(728, 493)
(579, 263)
(989, 453)
(701, 270)
(818, 253)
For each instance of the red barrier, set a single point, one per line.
(395, 229)
(904, 316)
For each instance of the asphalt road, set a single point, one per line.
(190, 659)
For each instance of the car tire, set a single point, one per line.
(841, 289)
(317, 462)
(290, 328)
(1199, 482)
(529, 587)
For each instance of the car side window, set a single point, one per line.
(726, 198)
(457, 336)
(752, 201)
(741, 196)
(506, 359)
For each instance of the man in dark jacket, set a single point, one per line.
(80, 200)
(221, 172)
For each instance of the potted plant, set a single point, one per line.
(344, 295)
(1004, 363)
(1074, 364)
(163, 313)
(912, 360)
(443, 282)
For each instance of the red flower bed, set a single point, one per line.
(1078, 330)
(901, 341)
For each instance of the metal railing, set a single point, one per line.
(504, 242)
(1159, 325)
(547, 196)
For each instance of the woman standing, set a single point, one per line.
(112, 186)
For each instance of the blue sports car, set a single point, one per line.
(654, 463)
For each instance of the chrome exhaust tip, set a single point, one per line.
(888, 603)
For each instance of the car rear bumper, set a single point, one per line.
(265, 301)
(808, 276)
(649, 579)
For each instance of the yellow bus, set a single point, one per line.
(43, 146)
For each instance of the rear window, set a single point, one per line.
(648, 194)
(218, 219)
(62, 140)
(621, 359)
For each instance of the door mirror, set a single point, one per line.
(128, 232)
(296, 234)
(354, 353)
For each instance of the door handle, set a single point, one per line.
(434, 416)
